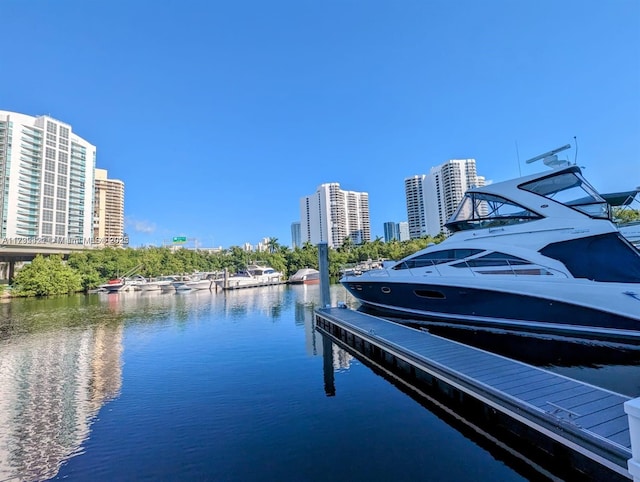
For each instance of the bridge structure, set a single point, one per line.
(12, 253)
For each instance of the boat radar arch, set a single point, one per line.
(550, 158)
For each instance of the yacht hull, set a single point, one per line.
(533, 307)
(305, 276)
(199, 285)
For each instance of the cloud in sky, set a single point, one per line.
(140, 226)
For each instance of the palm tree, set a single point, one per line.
(347, 244)
(273, 245)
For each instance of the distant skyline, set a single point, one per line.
(219, 116)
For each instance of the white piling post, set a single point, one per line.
(632, 408)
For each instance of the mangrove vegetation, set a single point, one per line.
(86, 270)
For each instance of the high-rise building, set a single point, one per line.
(391, 231)
(433, 198)
(446, 185)
(46, 175)
(332, 215)
(108, 210)
(414, 193)
(296, 239)
(403, 231)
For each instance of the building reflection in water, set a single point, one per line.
(52, 385)
(268, 300)
(334, 358)
(307, 300)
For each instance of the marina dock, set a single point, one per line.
(582, 428)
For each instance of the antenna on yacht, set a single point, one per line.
(550, 158)
(518, 156)
(575, 159)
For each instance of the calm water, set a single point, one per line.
(230, 386)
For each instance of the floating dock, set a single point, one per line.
(583, 428)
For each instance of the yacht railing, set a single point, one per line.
(507, 268)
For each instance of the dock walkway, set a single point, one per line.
(585, 419)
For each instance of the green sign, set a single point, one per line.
(180, 239)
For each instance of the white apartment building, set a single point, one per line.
(433, 198)
(416, 205)
(47, 175)
(403, 231)
(331, 215)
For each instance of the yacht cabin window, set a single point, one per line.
(491, 259)
(482, 210)
(572, 190)
(436, 257)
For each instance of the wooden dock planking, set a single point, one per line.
(585, 418)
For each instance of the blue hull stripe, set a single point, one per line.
(448, 302)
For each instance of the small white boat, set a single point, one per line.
(160, 284)
(255, 275)
(123, 284)
(180, 283)
(359, 268)
(306, 276)
(113, 285)
(197, 281)
(199, 284)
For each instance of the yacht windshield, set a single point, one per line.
(480, 210)
(571, 189)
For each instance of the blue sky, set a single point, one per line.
(219, 116)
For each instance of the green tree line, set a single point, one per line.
(625, 215)
(89, 269)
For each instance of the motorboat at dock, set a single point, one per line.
(123, 284)
(305, 276)
(538, 253)
(163, 283)
(253, 276)
(196, 281)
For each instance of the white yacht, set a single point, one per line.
(159, 284)
(305, 276)
(123, 284)
(537, 253)
(201, 281)
(255, 275)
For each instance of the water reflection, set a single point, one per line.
(267, 300)
(307, 299)
(52, 384)
(61, 361)
(216, 384)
